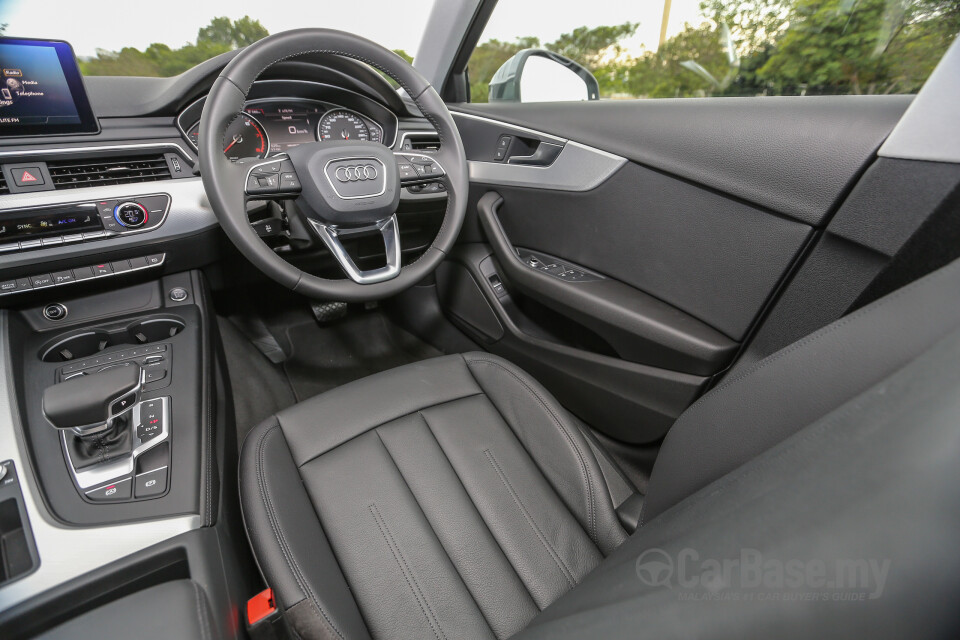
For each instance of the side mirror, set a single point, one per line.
(538, 75)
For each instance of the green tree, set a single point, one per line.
(590, 47)
(220, 36)
(868, 46)
(754, 24)
(487, 58)
(660, 74)
(233, 34)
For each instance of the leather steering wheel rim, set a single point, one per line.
(224, 180)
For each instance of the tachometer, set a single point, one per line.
(343, 124)
(245, 138)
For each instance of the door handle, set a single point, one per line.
(543, 156)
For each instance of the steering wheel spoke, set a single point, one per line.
(272, 178)
(415, 168)
(389, 231)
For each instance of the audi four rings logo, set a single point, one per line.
(356, 173)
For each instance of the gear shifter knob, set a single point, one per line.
(89, 404)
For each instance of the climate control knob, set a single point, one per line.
(131, 214)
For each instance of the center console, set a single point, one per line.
(114, 417)
(113, 401)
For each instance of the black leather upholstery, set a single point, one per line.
(451, 498)
(789, 389)
(460, 500)
(176, 609)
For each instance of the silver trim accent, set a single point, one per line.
(115, 469)
(57, 543)
(388, 228)
(362, 117)
(36, 151)
(412, 134)
(545, 137)
(358, 159)
(579, 167)
(66, 311)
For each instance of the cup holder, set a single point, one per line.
(90, 342)
(154, 330)
(78, 345)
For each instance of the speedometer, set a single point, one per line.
(343, 124)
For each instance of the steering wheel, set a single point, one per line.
(342, 188)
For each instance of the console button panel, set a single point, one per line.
(60, 278)
(154, 360)
(559, 269)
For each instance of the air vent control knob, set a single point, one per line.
(131, 214)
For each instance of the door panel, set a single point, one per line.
(712, 257)
(674, 224)
(795, 156)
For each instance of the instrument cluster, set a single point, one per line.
(268, 127)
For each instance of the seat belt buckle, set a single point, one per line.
(264, 621)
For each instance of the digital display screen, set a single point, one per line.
(53, 221)
(286, 124)
(41, 91)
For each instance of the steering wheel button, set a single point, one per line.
(289, 182)
(269, 181)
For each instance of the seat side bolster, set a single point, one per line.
(293, 552)
(751, 412)
(552, 437)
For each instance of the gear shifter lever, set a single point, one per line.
(91, 405)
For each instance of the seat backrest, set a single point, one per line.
(791, 388)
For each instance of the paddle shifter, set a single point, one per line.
(96, 410)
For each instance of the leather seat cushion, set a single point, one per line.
(451, 498)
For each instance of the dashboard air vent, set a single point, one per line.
(421, 142)
(73, 174)
(3, 185)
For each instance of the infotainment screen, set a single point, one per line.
(41, 90)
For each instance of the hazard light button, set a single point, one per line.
(27, 176)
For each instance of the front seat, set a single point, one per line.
(455, 498)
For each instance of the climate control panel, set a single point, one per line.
(29, 228)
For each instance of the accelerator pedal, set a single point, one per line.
(328, 312)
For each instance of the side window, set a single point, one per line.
(551, 50)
